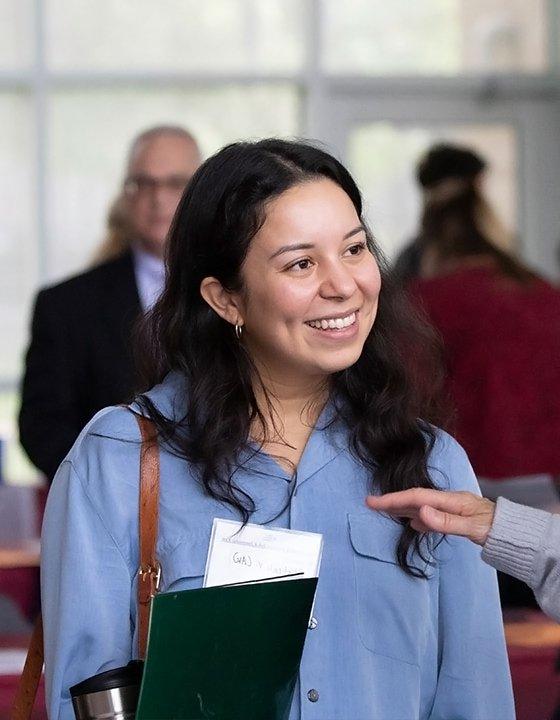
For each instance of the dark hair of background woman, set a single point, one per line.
(454, 227)
(380, 398)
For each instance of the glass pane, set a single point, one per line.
(226, 35)
(15, 467)
(18, 242)
(16, 34)
(435, 36)
(91, 131)
(383, 159)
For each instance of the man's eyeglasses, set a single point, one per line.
(146, 185)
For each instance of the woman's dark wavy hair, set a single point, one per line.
(380, 398)
(453, 229)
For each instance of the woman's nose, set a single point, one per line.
(337, 281)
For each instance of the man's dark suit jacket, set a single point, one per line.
(79, 359)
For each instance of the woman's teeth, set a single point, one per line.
(333, 323)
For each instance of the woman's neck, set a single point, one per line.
(289, 408)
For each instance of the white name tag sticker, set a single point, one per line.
(254, 553)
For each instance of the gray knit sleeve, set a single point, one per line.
(525, 542)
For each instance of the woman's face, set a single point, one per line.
(311, 285)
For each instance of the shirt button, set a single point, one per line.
(313, 695)
(312, 623)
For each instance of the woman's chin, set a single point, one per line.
(332, 365)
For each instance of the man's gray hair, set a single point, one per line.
(157, 131)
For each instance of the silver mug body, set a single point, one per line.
(115, 704)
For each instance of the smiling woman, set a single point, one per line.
(307, 307)
(284, 394)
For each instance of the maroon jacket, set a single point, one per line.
(502, 348)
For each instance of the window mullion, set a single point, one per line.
(40, 98)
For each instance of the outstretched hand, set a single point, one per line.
(450, 513)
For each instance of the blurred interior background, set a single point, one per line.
(377, 82)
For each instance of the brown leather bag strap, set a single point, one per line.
(149, 573)
(30, 677)
(148, 578)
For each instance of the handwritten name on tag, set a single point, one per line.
(252, 553)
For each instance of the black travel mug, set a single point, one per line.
(110, 695)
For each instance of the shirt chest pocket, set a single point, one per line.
(183, 566)
(393, 609)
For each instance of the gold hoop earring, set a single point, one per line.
(238, 331)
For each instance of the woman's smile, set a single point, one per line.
(336, 327)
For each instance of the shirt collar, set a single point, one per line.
(327, 440)
(169, 397)
(146, 262)
(149, 272)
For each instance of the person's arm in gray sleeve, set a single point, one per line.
(516, 539)
(525, 542)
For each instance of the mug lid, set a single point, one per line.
(125, 676)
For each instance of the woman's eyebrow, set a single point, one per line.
(310, 246)
(291, 248)
(353, 232)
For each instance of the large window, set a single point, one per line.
(377, 81)
(443, 37)
(176, 35)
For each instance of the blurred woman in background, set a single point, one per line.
(500, 324)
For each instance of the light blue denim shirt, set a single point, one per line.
(386, 646)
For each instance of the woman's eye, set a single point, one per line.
(304, 264)
(357, 248)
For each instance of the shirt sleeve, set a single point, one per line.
(473, 671)
(86, 593)
(525, 542)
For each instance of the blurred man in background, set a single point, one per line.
(79, 359)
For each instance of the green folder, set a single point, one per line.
(225, 653)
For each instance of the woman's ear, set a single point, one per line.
(222, 301)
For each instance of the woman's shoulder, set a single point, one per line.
(115, 424)
(114, 431)
(98, 481)
(449, 465)
(105, 459)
